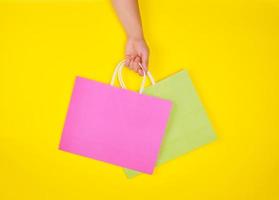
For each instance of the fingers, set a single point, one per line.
(136, 66)
(129, 61)
(137, 52)
(132, 62)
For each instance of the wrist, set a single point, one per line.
(135, 39)
(135, 36)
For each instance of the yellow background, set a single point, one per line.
(231, 49)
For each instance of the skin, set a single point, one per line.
(136, 47)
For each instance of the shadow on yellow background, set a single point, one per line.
(231, 51)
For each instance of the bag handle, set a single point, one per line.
(118, 72)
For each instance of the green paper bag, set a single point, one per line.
(188, 127)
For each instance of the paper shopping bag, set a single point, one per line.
(115, 125)
(189, 126)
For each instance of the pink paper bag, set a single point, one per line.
(115, 125)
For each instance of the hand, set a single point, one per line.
(137, 52)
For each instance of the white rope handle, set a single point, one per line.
(115, 73)
(118, 71)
